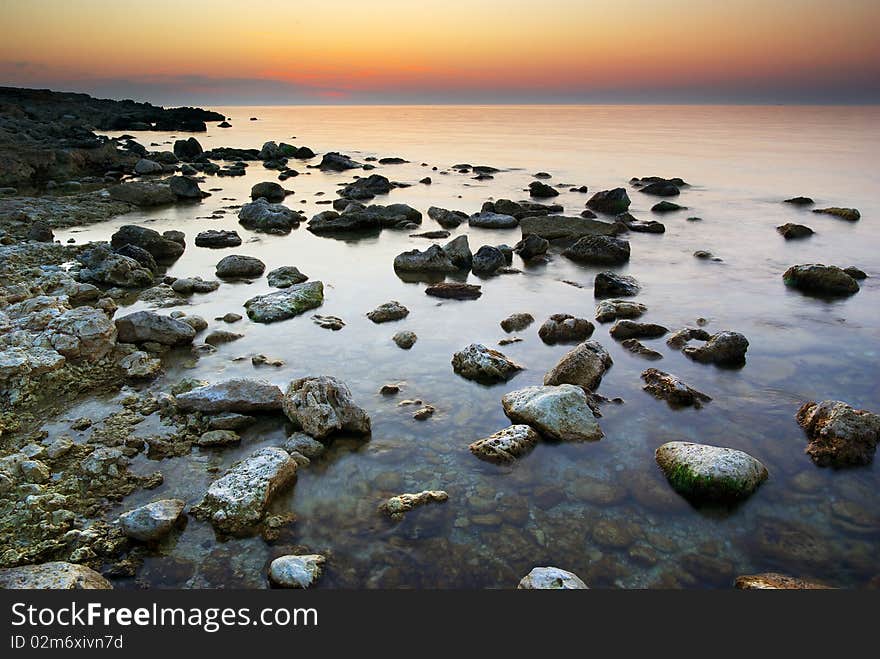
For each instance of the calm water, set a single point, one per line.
(602, 509)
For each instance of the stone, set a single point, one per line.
(611, 284)
(505, 446)
(820, 279)
(322, 406)
(608, 310)
(488, 260)
(669, 388)
(218, 337)
(541, 190)
(367, 188)
(140, 365)
(145, 166)
(565, 328)
(584, 365)
(800, 201)
(240, 395)
(599, 250)
(336, 162)
(296, 571)
(560, 412)
(679, 339)
(236, 502)
(424, 413)
(484, 365)
(704, 473)
(40, 232)
(531, 246)
(153, 521)
(432, 235)
(849, 214)
(229, 421)
(558, 227)
(855, 273)
(218, 238)
(517, 322)
(551, 578)
(446, 218)
(667, 207)
(56, 575)
(723, 348)
(142, 326)
(286, 303)
(405, 340)
(85, 333)
(792, 231)
(775, 581)
(329, 322)
(433, 259)
(236, 266)
(630, 329)
(217, 438)
(454, 290)
(611, 202)
(198, 323)
(459, 252)
(187, 149)
(489, 220)
(301, 443)
(285, 277)
(640, 226)
(396, 507)
(185, 187)
(636, 347)
(142, 193)
(388, 312)
(160, 248)
(269, 190)
(264, 216)
(840, 436)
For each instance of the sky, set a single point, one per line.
(265, 52)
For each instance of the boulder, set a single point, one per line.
(630, 329)
(433, 259)
(584, 365)
(791, 231)
(446, 218)
(367, 188)
(285, 277)
(666, 386)
(322, 406)
(261, 215)
(286, 303)
(488, 260)
(820, 279)
(484, 365)
(551, 578)
(142, 326)
(560, 412)
(83, 333)
(505, 446)
(185, 187)
(611, 284)
(459, 252)
(541, 190)
(556, 227)
(565, 328)
(239, 395)
(600, 250)
(153, 521)
(336, 162)
(218, 238)
(187, 149)
(236, 266)
(608, 310)
(140, 255)
(144, 166)
(160, 248)
(56, 575)
(839, 435)
(661, 188)
(667, 207)
(294, 571)
(405, 340)
(488, 220)
(704, 473)
(270, 190)
(531, 246)
(454, 290)
(190, 285)
(611, 202)
(387, 312)
(301, 443)
(723, 348)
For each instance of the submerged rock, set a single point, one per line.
(240, 395)
(142, 193)
(630, 329)
(821, 279)
(482, 364)
(323, 405)
(679, 339)
(565, 328)
(286, 303)
(669, 388)
(454, 290)
(723, 348)
(636, 347)
(799, 201)
(640, 226)
(396, 507)
(551, 578)
(840, 436)
(600, 250)
(388, 312)
(294, 571)
(153, 521)
(584, 365)
(446, 218)
(559, 412)
(775, 581)
(608, 310)
(611, 202)
(706, 473)
(506, 445)
(56, 575)
(142, 326)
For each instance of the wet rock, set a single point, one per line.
(198, 323)
(446, 218)
(323, 405)
(849, 214)
(636, 347)
(792, 231)
(236, 266)
(263, 360)
(611, 202)
(367, 188)
(286, 303)
(555, 227)
(520, 209)
(236, 502)
(584, 365)
(459, 252)
(723, 348)
(608, 310)
(142, 326)
(704, 473)
(640, 226)
(387, 312)
(489, 220)
(669, 388)
(839, 435)
(559, 412)
(262, 215)
(630, 329)
(214, 438)
(484, 365)
(433, 259)
(531, 246)
(599, 250)
(432, 235)
(145, 166)
(301, 443)
(396, 507)
(389, 389)
(800, 201)
(405, 340)
(296, 571)
(140, 365)
(488, 260)
(776, 581)
(679, 339)
(505, 446)
(336, 162)
(153, 521)
(270, 190)
(454, 290)
(218, 337)
(855, 273)
(229, 421)
(517, 322)
(285, 277)
(82, 333)
(56, 575)
(667, 207)
(159, 247)
(230, 317)
(565, 328)
(187, 149)
(820, 279)
(185, 187)
(611, 284)
(141, 193)
(329, 322)
(551, 578)
(424, 413)
(40, 232)
(218, 238)
(660, 187)
(239, 395)
(542, 190)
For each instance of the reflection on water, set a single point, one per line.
(599, 509)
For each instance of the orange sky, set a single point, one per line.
(449, 50)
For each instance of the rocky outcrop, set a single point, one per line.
(484, 365)
(286, 303)
(551, 578)
(584, 365)
(322, 406)
(559, 412)
(505, 446)
(839, 435)
(820, 279)
(704, 473)
(238, 395)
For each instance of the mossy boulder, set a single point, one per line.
(703, 473)
(286, 303)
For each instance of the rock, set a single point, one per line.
(839, 435)
(723, 348)
(296, 571)
(775, 581)
(551, 578)
(636, 347)
(236, 502)
(218, 438)
(555, 227)
(218, 337)
(239, 395)
(286, 303)
(185, 187)
(424, 413)
(40, 232)
(236, 266)
(459, 252)
(667, 207)
(261, 215)
(669, 388)
(446, 218)
(488, 260)
(141, 365)
(160, 248)
(454, 290)
(34, 471)
(285, 277)
(661, 188)
(565, 328)
(559, 412)
(405, 340)
(328, 322)
(336, 162)
(142, 326)
(187, 149)
(820, 279)
(323, 405)
(144, 166)
(855, 273)
(611, 202)
(640, 226)
(141, 193)
(367, 188)
(531, 246)
(611, 284)
(153, 521)
(433, 259)
(517, 322)
(584, 365)
(608, 310)
(85, 333)
(56, 575)
(791, 231)
(704, 473)
(601, 250)
(198, 323)
(800, 201)
(396, 507)
(269, 190)
(679, 339)
(190, 285)
(488, 220)
(301, 443)
(218, 238)
(432, 235)
(505, 446)
(484, 365)
(229, 421)
(849, 214)
(542, 190)
(230, 317)
(387, 312)
(224, 124)
(630, 329)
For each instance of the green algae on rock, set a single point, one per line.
(704, 473)
(286, 303)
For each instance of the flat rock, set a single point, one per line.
(286, 303)
(218, 239)
(556, 227)
(630, 329)
(489, 220)
(849, 214)
(142, 326)
(454, 290)
(599, 250)
(240, 395)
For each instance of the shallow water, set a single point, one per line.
(600, 509)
